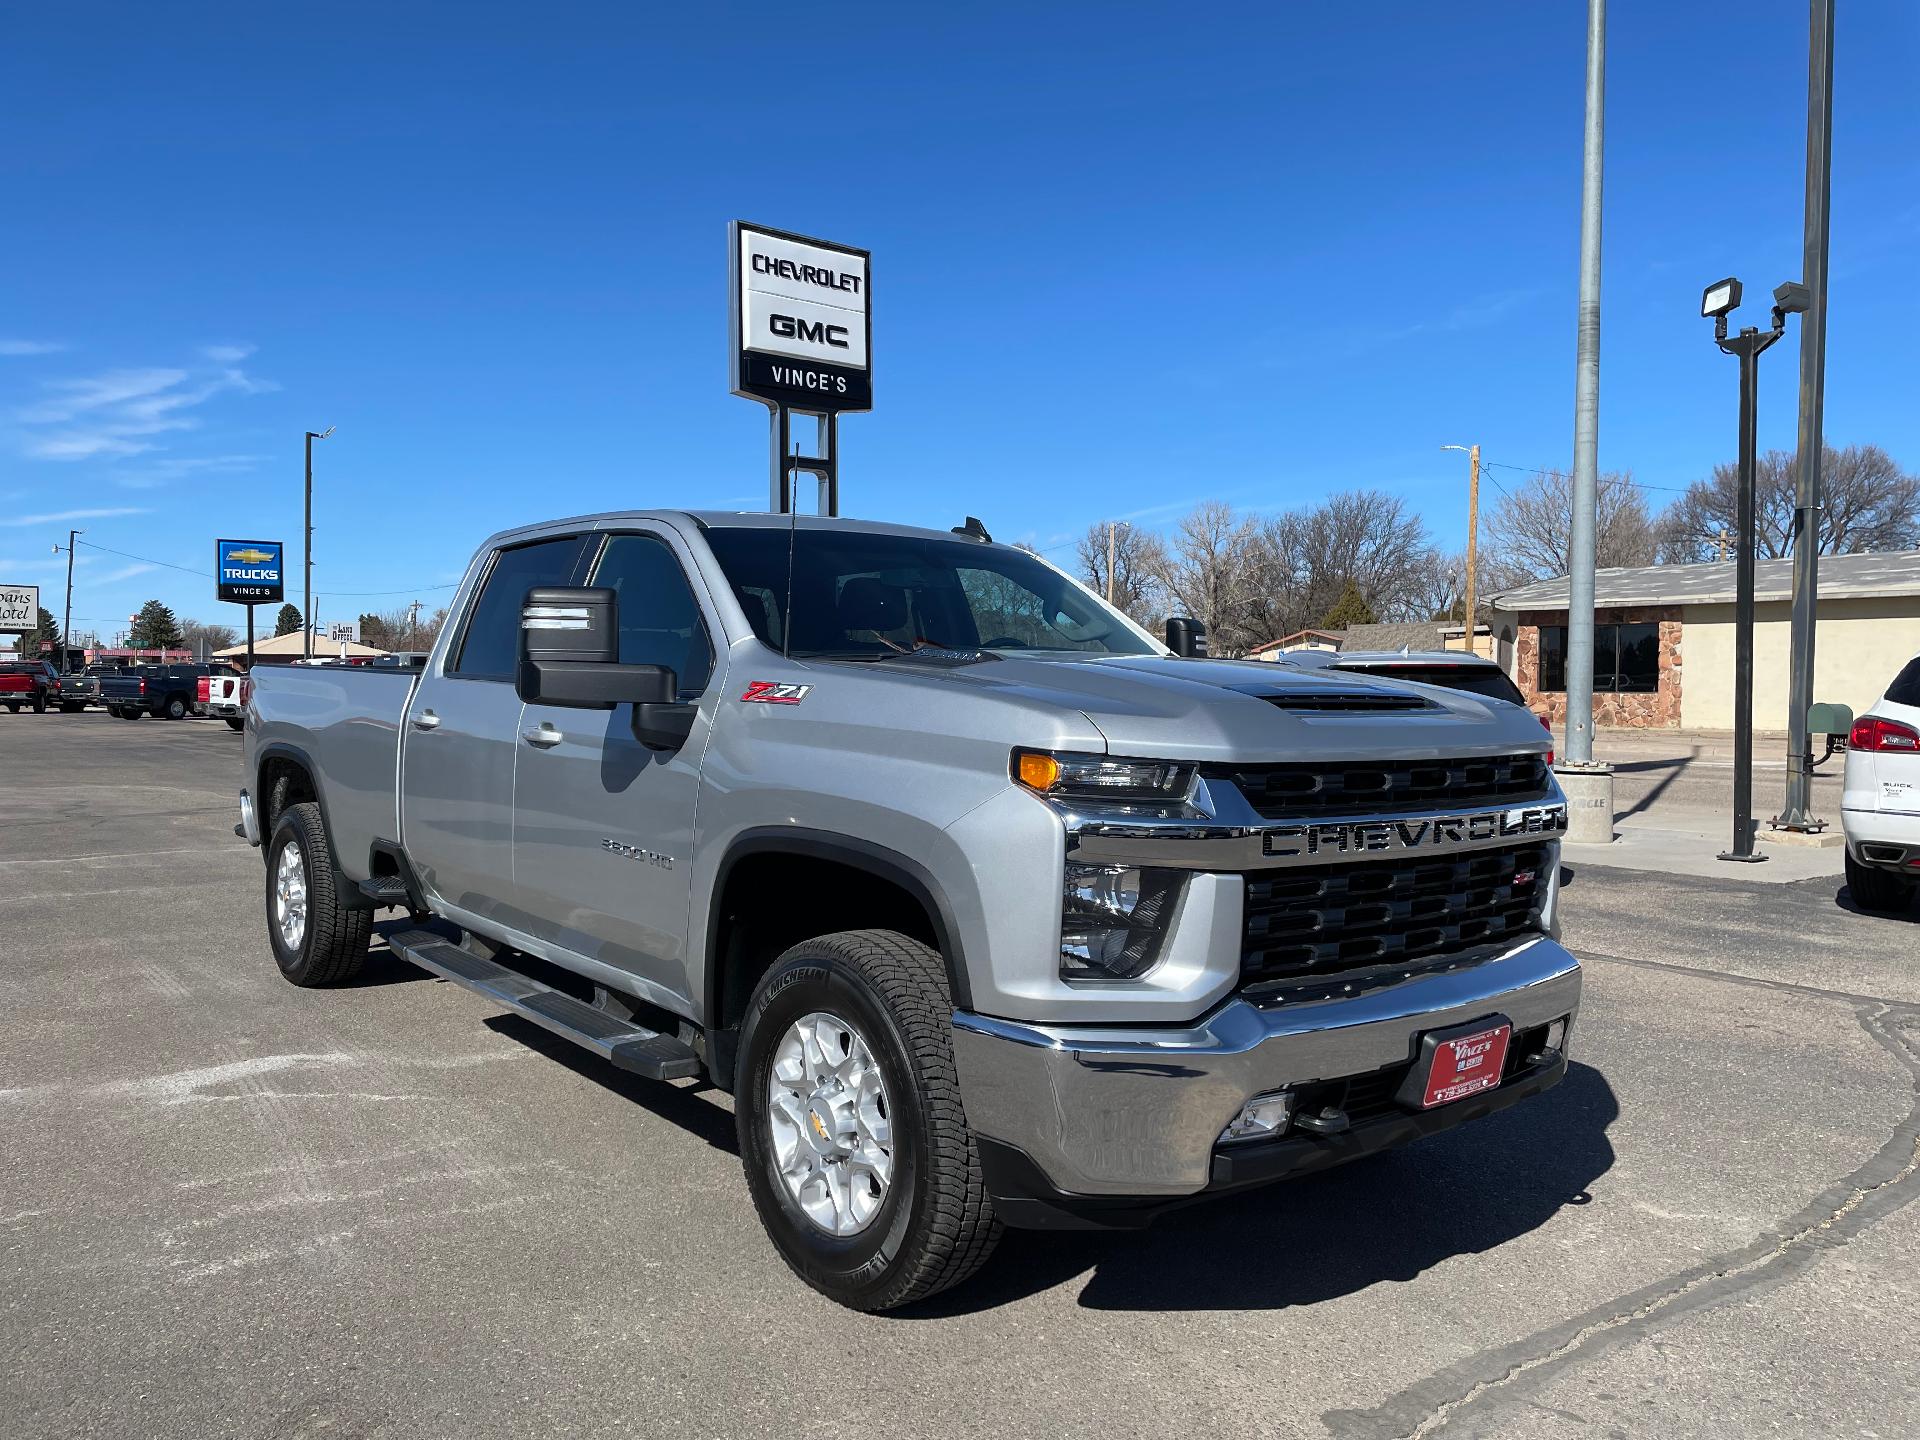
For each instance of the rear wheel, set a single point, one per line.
(1877, 889)
(856, 1149)
(316, 940)
(13, 708)
(176, 708)
(40, 702)
(71, 707)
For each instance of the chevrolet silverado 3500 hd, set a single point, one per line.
(985, 906)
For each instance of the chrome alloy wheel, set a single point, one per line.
(828, 1112)
(290, 896)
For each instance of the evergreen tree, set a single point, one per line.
(288, 622)
(1349, 610)
(154, 628)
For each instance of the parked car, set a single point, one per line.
(81, 688)
(1451, 669)
(172, 691)
(223, 691)
(1880, 797)
(997, 910)
(42, 688)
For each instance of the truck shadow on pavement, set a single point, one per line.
(1300, 1243)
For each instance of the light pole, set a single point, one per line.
(1722, 298)
(1473, 531)
(306, 613)
(1114, 527)
(66, 619)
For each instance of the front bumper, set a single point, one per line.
(1138, 1110)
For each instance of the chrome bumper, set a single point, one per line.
(1138, 1110)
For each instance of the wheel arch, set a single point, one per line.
(732, 972)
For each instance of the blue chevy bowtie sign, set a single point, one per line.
(249, 571)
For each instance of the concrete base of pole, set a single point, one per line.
(1589, 802)
(1812, 839)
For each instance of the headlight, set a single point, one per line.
(1112, 918)
(1102, 777)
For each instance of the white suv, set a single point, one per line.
(1880, 800)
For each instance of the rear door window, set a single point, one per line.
(490, 648)
(1905, 689)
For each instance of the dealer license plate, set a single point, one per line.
(1466, 1065)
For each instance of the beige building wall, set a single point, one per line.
(1860, 646)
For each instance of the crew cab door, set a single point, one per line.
(602, 825)
(461, 738)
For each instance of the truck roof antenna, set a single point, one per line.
(975, 529)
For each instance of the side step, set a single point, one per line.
(387, 890)
(628, 1046)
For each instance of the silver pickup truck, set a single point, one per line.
(985, 905)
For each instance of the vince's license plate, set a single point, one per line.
(1465, 1065)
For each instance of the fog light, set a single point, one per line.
(1556, 1037)
(1261, 1118)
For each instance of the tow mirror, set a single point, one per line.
(1186, 637)
(570, 655)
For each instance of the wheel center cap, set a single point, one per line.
(823, 1128)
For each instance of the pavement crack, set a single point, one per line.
(1876, 1189)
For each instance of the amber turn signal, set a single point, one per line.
(1034, 770)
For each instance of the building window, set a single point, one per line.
(1626, 659)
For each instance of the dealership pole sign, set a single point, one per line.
(800, 338)
(250, 572)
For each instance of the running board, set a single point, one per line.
(628, 1046)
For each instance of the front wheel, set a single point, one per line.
(856, 1149)
(39, 704)
(316, 940)
(1877, 889)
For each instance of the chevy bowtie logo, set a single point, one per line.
(1439, 832)
(249, 555)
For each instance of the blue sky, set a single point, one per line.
(1125, 257)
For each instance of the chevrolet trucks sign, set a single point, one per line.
(802, 323)
(249, 572)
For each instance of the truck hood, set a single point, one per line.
(1166, 707)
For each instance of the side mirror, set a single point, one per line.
(570, 655)
(1186, 637)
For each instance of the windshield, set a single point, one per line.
(864, 596)
(1482, 680)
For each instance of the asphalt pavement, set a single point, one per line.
(234, 1208)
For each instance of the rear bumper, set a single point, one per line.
(1137, 1111)
(1886, 838)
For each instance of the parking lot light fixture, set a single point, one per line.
(1721, 299)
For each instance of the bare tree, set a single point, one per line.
(204, 637)
(1211, 571)
(1139, 559)
(1867, 503)
(1529, 535)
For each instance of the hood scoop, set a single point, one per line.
(1349, 702)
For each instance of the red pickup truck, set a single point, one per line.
(28, 682)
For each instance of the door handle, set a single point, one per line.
(546, 737)
(426, 720)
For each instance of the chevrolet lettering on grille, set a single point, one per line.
(1415, 833)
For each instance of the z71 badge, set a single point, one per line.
(774, 692)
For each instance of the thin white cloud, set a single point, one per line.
(154, 474)
(62, 516)
(125, 572)
(227, 354)
(31, 347)
(113, 415)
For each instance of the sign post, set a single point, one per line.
(801, 343)
(250, 573)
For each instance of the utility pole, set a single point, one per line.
(1113, 528)
(413, 625)
(1473, 532)
(1796, 813)
(66, 620)
(306, 614)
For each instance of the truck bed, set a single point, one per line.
(345, 720)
